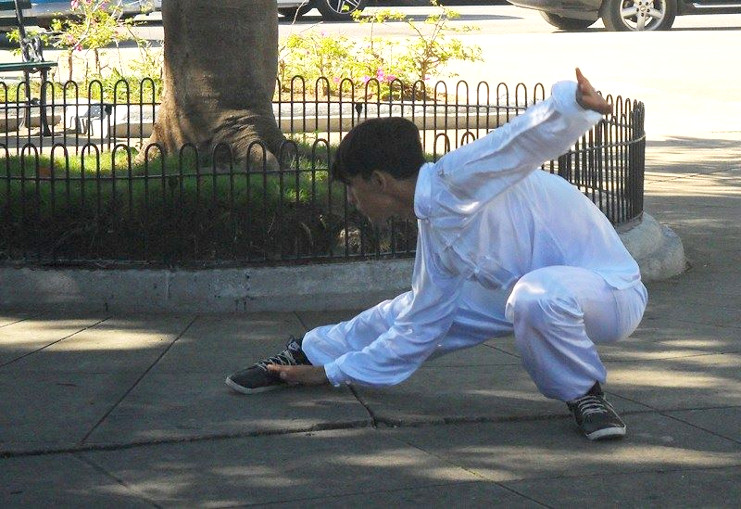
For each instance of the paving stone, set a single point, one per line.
(553, 449)
(177, 407)
(679, 383)
(712, 303)
(68, 387)
(445, 394)
(480, 355)
(114, 345)
(184, 395)
(717, 487)
(277, 469)
(55, 409)
(27, 336)
(61, 481)
(657, 339)
(11, 318)
(313, 319)
(220, 345)
(725, 422)
(469, 495)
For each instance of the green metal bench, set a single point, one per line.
(32, 55)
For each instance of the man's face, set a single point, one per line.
(369, 197)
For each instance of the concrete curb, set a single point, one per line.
(302, 288)
(321, 287)
(657, 249)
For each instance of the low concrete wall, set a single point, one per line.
(350, 285)
(310, 287)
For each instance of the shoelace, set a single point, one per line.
(285, 358)
(589, 405)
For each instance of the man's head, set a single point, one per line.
(379, 160)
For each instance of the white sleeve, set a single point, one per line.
(415, 334)
(479, 171)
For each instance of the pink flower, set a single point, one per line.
(78, 47)
(390, 78)
(380, 74)
(336, 80)
(366, 79)
(74, 4)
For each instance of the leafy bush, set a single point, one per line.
(95, 26)
(84, 37)
(379, 65)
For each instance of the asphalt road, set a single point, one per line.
(688, 77)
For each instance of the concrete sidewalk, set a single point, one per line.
(128, 410)
(132, 410)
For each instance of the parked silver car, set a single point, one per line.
(46, 10)
(331, 10)
(624, 15)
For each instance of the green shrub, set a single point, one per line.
(376, 65)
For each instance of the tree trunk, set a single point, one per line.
(221, 62)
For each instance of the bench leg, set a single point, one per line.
(26, 119)
(45, 131)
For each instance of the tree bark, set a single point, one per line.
(221, 61)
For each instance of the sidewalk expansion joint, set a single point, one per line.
(41, 349)
(103, 471)
(18, 321)
(83, 448)
(379, 423)
(472, 472)
(373, 418)
(701, 428)
(138, 381)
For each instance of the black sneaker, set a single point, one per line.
(595, 416)
(257, 378)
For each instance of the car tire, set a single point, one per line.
(566, 23)
(639, 15)
(294, 13)
(339, 10)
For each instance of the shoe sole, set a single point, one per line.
(606, 434)
(246, 390)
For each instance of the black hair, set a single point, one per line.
(388, 144)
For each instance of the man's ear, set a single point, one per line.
(379, 179)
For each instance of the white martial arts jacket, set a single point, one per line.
(486, 213)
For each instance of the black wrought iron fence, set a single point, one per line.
(72, 189)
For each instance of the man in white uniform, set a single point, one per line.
(502, 248)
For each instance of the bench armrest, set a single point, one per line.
(32, 49)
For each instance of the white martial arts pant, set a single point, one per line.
(557, 314)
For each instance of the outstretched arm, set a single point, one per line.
(587, 96)
(478, 172)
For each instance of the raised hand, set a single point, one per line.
(587, 96)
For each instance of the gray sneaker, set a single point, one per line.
(257, 378)
(595, 416)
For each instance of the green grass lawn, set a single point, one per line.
(173, 210)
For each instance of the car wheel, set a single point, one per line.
(566, 23)
(639, 15)
(293, 13)
(339, 10)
